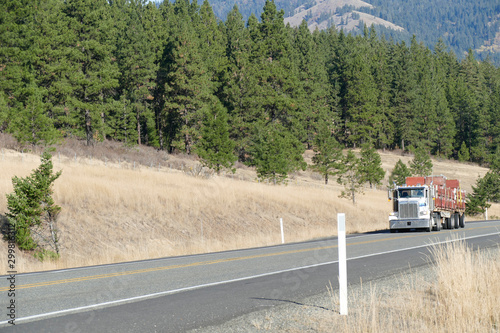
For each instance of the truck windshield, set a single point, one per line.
(411, 193)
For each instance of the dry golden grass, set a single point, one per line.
(114, 212)
(462, 296)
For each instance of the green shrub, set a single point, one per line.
(43, 255)
(31, 208)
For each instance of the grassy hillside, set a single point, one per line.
(118, 207)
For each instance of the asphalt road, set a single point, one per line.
(181, 293)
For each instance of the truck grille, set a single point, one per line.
(408, 210)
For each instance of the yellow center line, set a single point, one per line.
(202, 263)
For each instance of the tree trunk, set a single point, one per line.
(186, 144)
(160, 134)
(186, 136)
(138, 129)
(53, 233)
(88, 128)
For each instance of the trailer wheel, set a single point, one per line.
(447, 222)
(462, 220)
(455, 220)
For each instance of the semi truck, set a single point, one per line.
(428, 203)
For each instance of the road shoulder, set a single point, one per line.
(320, 313)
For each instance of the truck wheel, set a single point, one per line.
(447, 222)
(438, 223)
(453, 221)
(462, 220)
(455, 218)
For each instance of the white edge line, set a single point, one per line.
(128, 300)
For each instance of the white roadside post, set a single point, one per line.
(342, 263)
(282, 234)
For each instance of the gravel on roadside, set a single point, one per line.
(320, 313)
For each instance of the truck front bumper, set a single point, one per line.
(396, 224)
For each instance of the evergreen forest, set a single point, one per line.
(462, 24)
(177, 78)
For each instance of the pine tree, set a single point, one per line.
(314, 94)
(26, 52)
(328, 158)
(187, 88)
(330, 46)
(15, 40)
(402, 96)
(370, 166)
(162, 32)
(491, 91)
(212, 45)
(253, 28)
(275, 98)
(463, 153)
(471, 117)
(31, 124)
(384, 137)
(463, 113)
(132, 120)
(3, 111)
(215, 148)
(54, 46)
(276, 153)
(443, 143)
(487, 190)
(424, 103)
(239, 83)
(421, 164)
(32, 209)
(351, 177)
(358, 92)
(95, 77)
(399, 174)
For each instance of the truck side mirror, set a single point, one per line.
(389, 194)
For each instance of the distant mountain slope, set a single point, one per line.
(491, 45)
(462, 24)
(326, 13)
